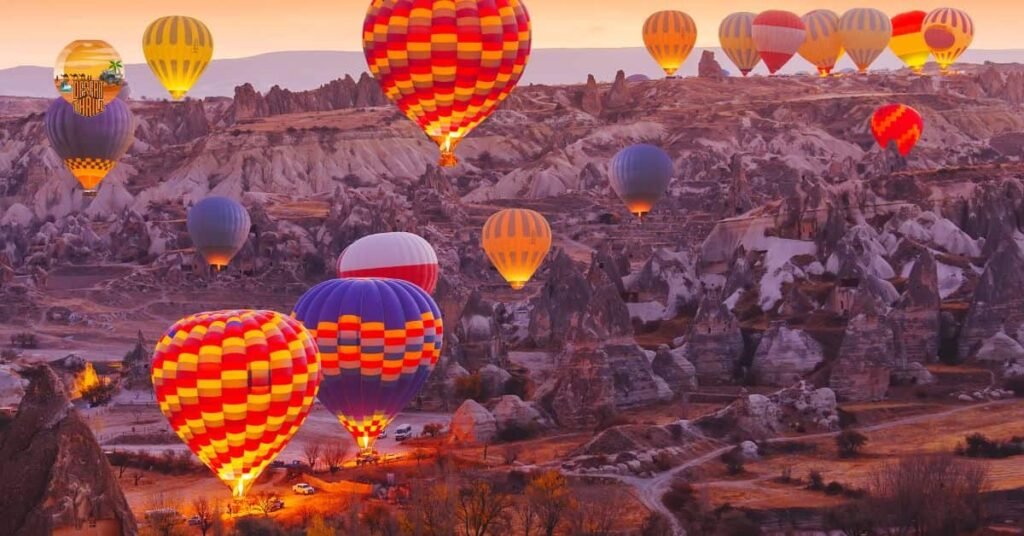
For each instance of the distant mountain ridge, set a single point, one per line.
(303, 70)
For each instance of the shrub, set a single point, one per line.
(834, 488)
(517, 432)
(817, 481)
(1015, 384)
(733, 460)
(679, 495)
(258, 526)
(980, 446)
(432, 429)
(25, 339)
(849, 443)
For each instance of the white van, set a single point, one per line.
(403, 432)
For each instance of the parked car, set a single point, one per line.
(276, 505)
(364, 458)
(383, 433)
(303, 488)
(403, 432)
(277, 463)
(195, 521)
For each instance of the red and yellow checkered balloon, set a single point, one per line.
(447, 64)
(897, 123)
(236, 386)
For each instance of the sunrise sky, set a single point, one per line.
(32, 32)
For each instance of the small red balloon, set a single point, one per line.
(899, 124)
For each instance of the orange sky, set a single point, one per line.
(32, 32)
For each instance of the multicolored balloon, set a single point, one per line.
(447, 64)
(90, 146)
(219, 227)
(908, 42)
(89, 75)
(178, 50)
(236, 386)
(899, 124)
(778, 35)
(639, 175)
(736, 35)
(669, 37)
(404, 256)
(948, 32)
(823, 46)
(865, 33)
(516, 240)
(379, 340)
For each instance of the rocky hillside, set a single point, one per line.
(789, 247)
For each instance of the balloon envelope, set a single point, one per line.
(89, 75)
(640, 175)
(778, 35)
(236, 386)
(948, 32)
(866, 33)
(516, 240)
(379, 340)
(403, 256)
(736, 37)
(447, 65)
(177, 49)
(908, 42)
(823, 46)
(219, 228)
(899, 124)
(90, 146)
(669, 37)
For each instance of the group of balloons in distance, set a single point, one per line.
(821, 37)
(236, 385)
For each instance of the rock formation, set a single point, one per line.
(715, 342)
(798, 408)
(335, 95)
(785, 355)
(998, 303)
(590, 99)
(709, 67)
(55, 475)
(672, 367)
(472, 423)
(867, 354)
(915, 318)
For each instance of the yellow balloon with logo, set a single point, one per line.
(948, 33)
(823, 46)
(669, 37)
(177, 49)
(516, 241)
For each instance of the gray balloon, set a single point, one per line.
(219, 227)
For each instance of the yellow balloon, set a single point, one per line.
(823, 46)
(177, 49)
(516, 241)
(866, 33)
(669, 37)
(908, 42)
(88, 74)
(948, 33)
(736, 35)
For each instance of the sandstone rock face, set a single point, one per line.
(472, 423)
(619, 99)
(55, 474)
(335, 95)
(493, 378)
(709, 67)
(915, 319)
(998, 300)
(759, 416)
(785, 355)
(1000, 348)
(672, 366)
(12, 386)
(510, 410)
(715, 341)
(478, 334)
(591, 98)
(667, 277)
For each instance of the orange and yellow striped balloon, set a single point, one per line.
(948, 33)
(823, 46)
(447, 64)
(235, 386)
(908, 42)
(737, 39)
(177, 49)
(669, 37)
(866, 33)
(516, 241)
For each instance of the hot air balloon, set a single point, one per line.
(219, 228)
(737, 39)
(447, 64)
(379, 340)
(516, 241)
(90, 146)
(669, 37)
(908, 42)
(899, 124)
(235, 386)
(948, 32)
(778, 35)
(640, 174)
(177, 49)
(89, 74)
(865, 32)
(403, 256)
(823, 46)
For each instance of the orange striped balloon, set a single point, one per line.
(823, 46)
(447, 64)
(236, 386)
(736, 37)
(899, 124)
(669, 37)
(516, 241)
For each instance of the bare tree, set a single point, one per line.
(334, 456)
(432, 510)
(930, 494)
(551, 497)
(264, 502)
(312, 452)
(592, 519)
(205, 513)
(137, 477)
(481, 510)
(526, 514)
